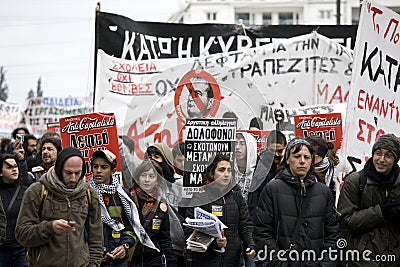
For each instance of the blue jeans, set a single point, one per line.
(13, 257)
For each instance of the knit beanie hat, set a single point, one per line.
(65, 154)
(389, 142)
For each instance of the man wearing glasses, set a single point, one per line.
(370, 213)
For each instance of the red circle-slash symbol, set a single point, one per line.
(185, 81)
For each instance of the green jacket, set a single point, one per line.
(45, 248)
(363, 221)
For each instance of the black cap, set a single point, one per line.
(65, 154)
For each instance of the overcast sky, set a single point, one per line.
(53, 39)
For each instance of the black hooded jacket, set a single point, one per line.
(277, 211)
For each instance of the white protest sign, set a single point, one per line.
(373, 106)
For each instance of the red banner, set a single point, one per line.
(328, 126)
(91, 132)
(260, 136)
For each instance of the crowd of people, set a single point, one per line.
(278, 205)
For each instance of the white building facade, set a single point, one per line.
(275, 12)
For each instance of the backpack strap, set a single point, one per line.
(88, 196)
(43, 196)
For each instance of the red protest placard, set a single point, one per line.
(53, 127)
(261, 138)
(91, 132)
(328, 126)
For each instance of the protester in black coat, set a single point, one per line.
(295, 195)
(11, 191)
(226, 202)
(266, 167)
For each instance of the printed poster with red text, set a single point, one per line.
(374, 99)
(328, 126)
(91, 132)
(261, 138)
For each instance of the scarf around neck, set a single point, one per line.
(128, 206)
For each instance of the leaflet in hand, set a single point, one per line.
(205, 222)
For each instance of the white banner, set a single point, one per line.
(151, 99)
(10, 115)
(373, 106)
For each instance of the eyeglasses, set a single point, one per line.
(379, 154)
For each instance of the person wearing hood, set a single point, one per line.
(245, 163)
(371, 217)
(161, 153)
(221, 197)
(266, 167)
(62, 227)
(295, 213)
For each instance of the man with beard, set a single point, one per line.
(266, 167)
(60, 217)
(49, 149)
(369, 204)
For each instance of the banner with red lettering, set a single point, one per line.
(10, 115)
(260, 136)
(328, 126)
(154, 97)
(373, 106)
(91, 132)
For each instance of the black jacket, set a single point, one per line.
(158, 230)
(235, 215)
(277, 211)
(114, 239)
(7, 192)
(264, 172)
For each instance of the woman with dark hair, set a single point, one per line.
(153, 214)
(325, 161)
(231, 209)
(295, 213)
(12, 190)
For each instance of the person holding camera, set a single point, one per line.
(59, 219)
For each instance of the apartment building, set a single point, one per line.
(275, 12)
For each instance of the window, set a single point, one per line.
(325, 14)
(211, 16)
(267, 19)
(243, 16)
(285, 18)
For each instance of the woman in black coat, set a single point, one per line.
(12, 191)
(296, 214)
(226, 202)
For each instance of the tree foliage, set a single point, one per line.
(3, 85)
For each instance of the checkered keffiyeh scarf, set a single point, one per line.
(128, 206)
